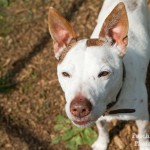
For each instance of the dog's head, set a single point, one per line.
(90, 70)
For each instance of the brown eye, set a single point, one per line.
(65, 74)
(103, 74)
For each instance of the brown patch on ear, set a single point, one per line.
(60, 30)
(66, 50)
(94, 42)
(116, 26)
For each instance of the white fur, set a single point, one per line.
(84, 64)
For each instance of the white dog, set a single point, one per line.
(104, 77)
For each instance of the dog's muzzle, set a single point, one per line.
(80, 109)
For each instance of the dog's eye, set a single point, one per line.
(103, 74)
(65, 74)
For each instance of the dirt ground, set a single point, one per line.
(30, 95)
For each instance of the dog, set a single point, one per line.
(103, 77)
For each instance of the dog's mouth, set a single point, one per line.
(82, 122)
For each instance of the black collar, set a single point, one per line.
(108, 111)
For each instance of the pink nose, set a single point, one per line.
(80, 107)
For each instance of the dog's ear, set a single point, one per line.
(61, 31)
(115, 27)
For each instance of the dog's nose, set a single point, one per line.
(80, 107)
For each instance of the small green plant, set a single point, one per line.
(72, 136)
(4, 3)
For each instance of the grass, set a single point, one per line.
(28, 86)
(4, 29)
(6, 85)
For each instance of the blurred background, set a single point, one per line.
(31, 100)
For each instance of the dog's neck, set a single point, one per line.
(117, 97)
(110, 105)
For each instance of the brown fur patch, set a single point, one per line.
(90, 42)
(66, 50)
(94, 42)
